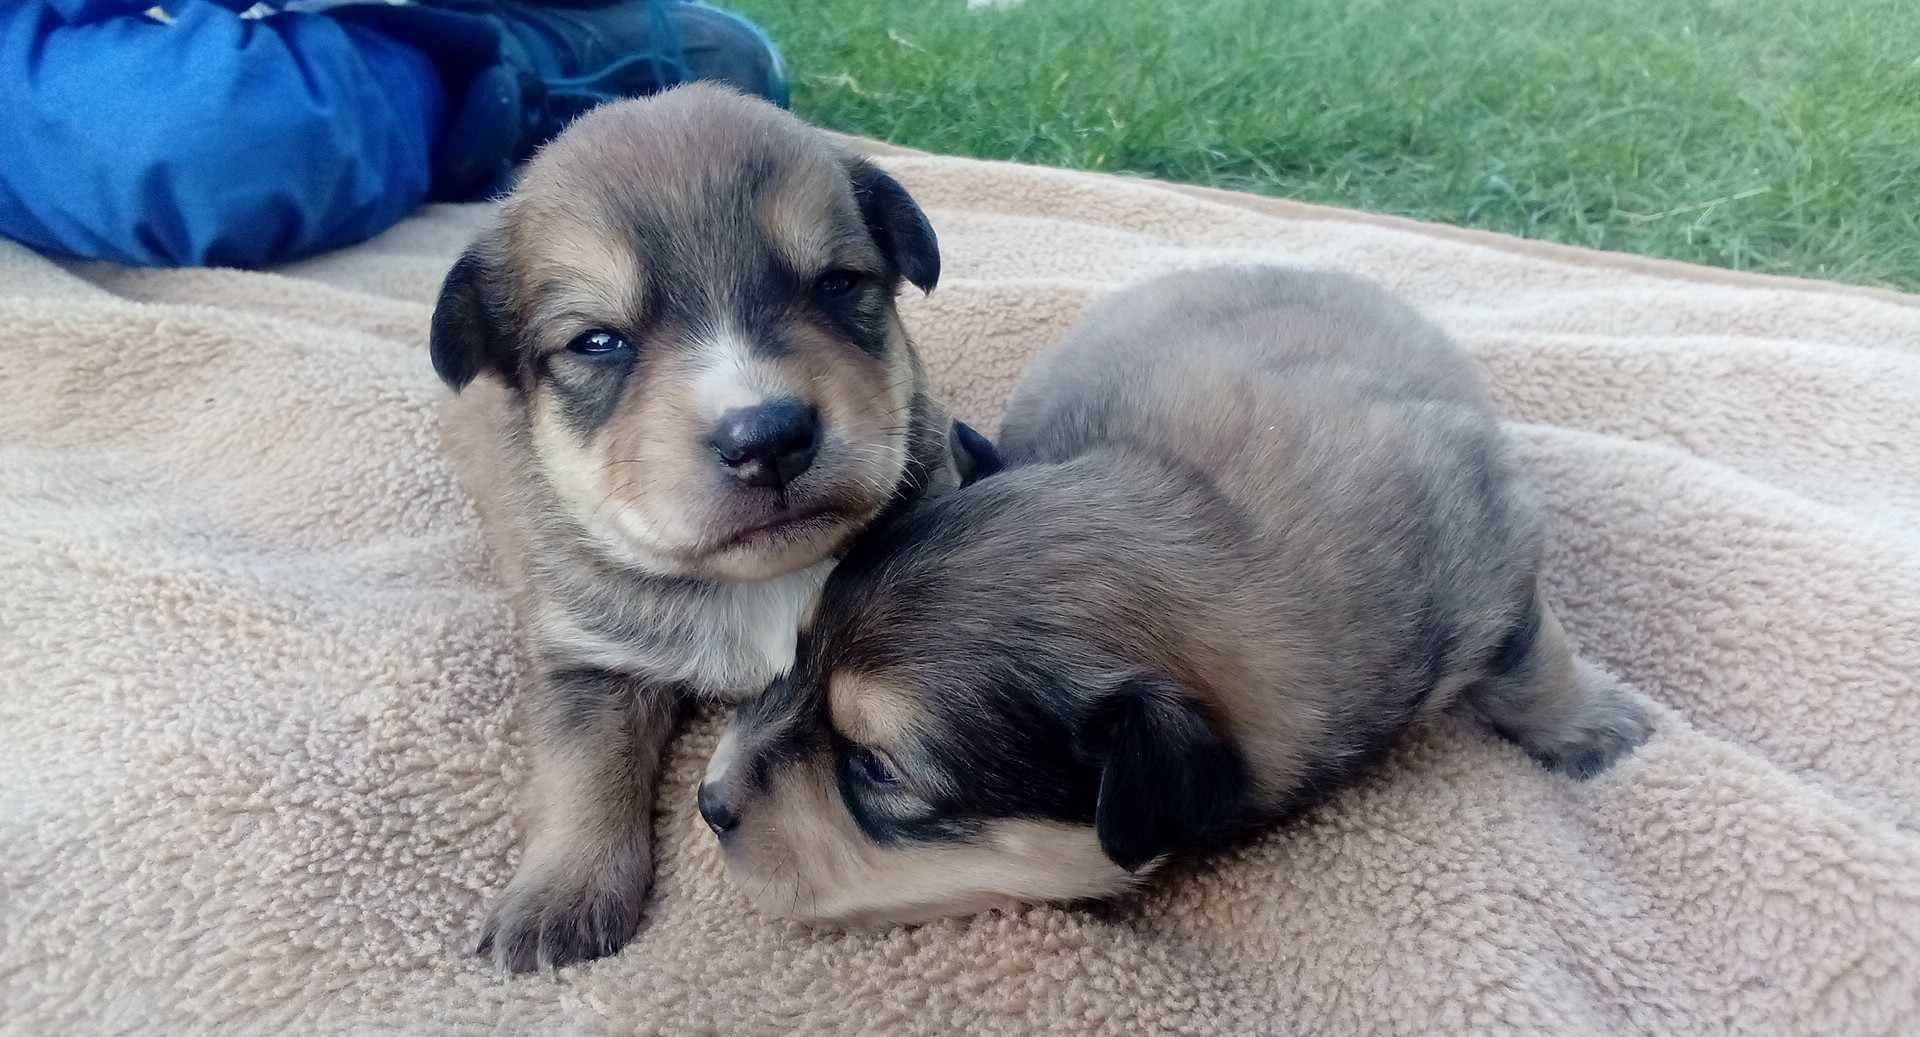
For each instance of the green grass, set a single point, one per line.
(1770, 135)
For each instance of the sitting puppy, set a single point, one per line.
(1255, 523)
(682, 388)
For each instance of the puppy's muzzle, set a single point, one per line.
(716, 809)
(770, 444)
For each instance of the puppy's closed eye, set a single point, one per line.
(869, 768)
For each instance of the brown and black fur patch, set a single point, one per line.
(682, 390)
(1253, 524)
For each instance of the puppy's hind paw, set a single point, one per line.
(1619, 728)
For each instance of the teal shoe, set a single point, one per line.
(562, 57)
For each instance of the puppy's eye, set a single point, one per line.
(867, 766)
(598, 342)
(835, 284)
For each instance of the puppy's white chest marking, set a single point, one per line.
(728, 642)
(758, 629)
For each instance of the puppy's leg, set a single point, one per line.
(1564, 711)
(596, 740)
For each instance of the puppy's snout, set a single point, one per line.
(769, 444)
(716, 810)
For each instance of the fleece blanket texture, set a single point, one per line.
(260, 771)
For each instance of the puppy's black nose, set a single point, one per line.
(716, 811)
(768, 445)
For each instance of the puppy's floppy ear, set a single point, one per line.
(974, 456)
(1169, 782)
(468, 337)
(896, 223)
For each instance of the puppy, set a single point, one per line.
(682, 387)
(1255, 522)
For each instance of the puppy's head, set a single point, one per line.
(991, 708)
(693, 295)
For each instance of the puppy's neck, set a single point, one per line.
(720, 640)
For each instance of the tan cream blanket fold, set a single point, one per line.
(258, 766)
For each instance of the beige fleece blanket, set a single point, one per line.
(258, 765)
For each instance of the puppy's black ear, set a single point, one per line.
(468, 339)
(1169, 781)
(973, 454)
(897, 224)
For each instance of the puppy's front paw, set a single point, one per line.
(568, 907)
(1615, 728)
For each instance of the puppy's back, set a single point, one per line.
(1202, 360)
(1356, 448)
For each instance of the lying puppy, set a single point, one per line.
(1256, 522)
(683, 386)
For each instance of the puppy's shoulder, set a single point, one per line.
(480, 427)
(484, 434)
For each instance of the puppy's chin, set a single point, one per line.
(742, 551)
(772, 550)
(715, 534)
(820, 872)
(797, 909)
(748, 539)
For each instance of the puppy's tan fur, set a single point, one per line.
(730, 255)
(1256, 523)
